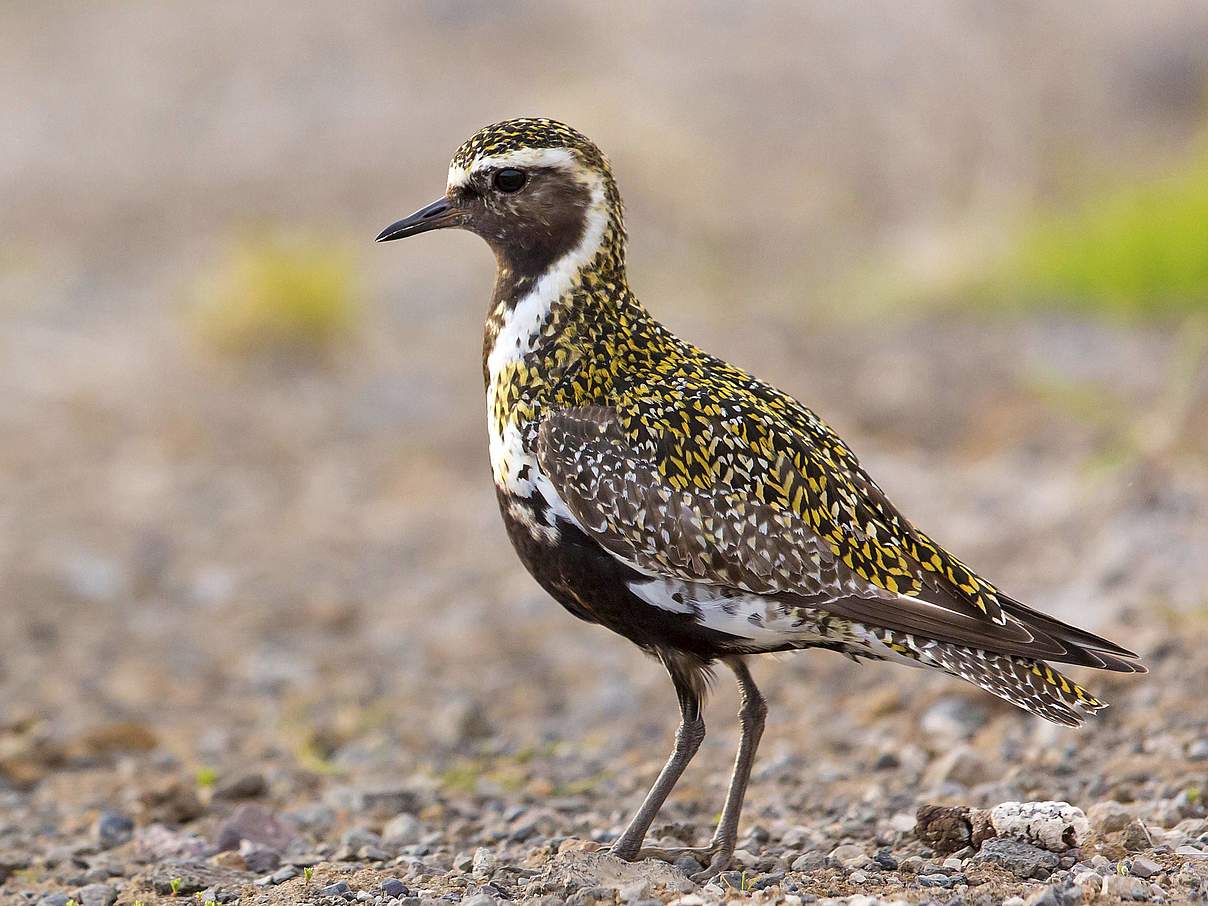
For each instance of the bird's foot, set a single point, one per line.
(715, 858)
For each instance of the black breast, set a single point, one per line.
(594, 586)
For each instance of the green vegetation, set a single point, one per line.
(280, 296)
(206, 776)
(1137, 251)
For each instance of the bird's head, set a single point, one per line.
(539, 192)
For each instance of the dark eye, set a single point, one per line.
(509, 180)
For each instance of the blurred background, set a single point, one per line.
(246, 516)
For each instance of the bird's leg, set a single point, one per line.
(688, 738)
(716, 856)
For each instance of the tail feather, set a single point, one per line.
(1029, 684)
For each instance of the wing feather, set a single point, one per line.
(616, 486)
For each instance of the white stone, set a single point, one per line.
(1055, 826)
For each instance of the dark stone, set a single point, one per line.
(1022, 859)
(96, 895)
(393, 887)
(112, 829)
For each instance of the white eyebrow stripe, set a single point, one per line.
(521, 157)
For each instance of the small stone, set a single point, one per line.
(172, 802)
(850, 856)
(285, 873)
(484, 861)
(936, 881)
(402, 830)
(886, 860)
(1013, 901)
(953, 863)
(336, 889)
(255, 823)
(259, 859)
(858, 877)
(688, 865)
(811, 860)
(1144, 867)
(112, 829)
(886, 761)
(1021, 859)
(393, 887)
(480, 899)
(1198, 750)
(155, 842)
(96, 895)
(356, 837)
(902, 822)
(372, 854)
(54, 899)
(1126, 887)
(241, 786)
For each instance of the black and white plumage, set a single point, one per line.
(686, 505)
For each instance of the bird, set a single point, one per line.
(679, 501)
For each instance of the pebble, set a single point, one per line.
(257, 824)
(259, 859)
(484, 861)
(393, 887)
(336, 889)
(402, 830)
(241, 786)
(285, 873)
(809, 861)
(1022, 859)
(1198, 750)
(850, 856)
(1144, 867)
(96, 895)
(54, 899)
(1126, 887)
(112, 829)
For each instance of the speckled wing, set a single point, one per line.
(614, 481)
